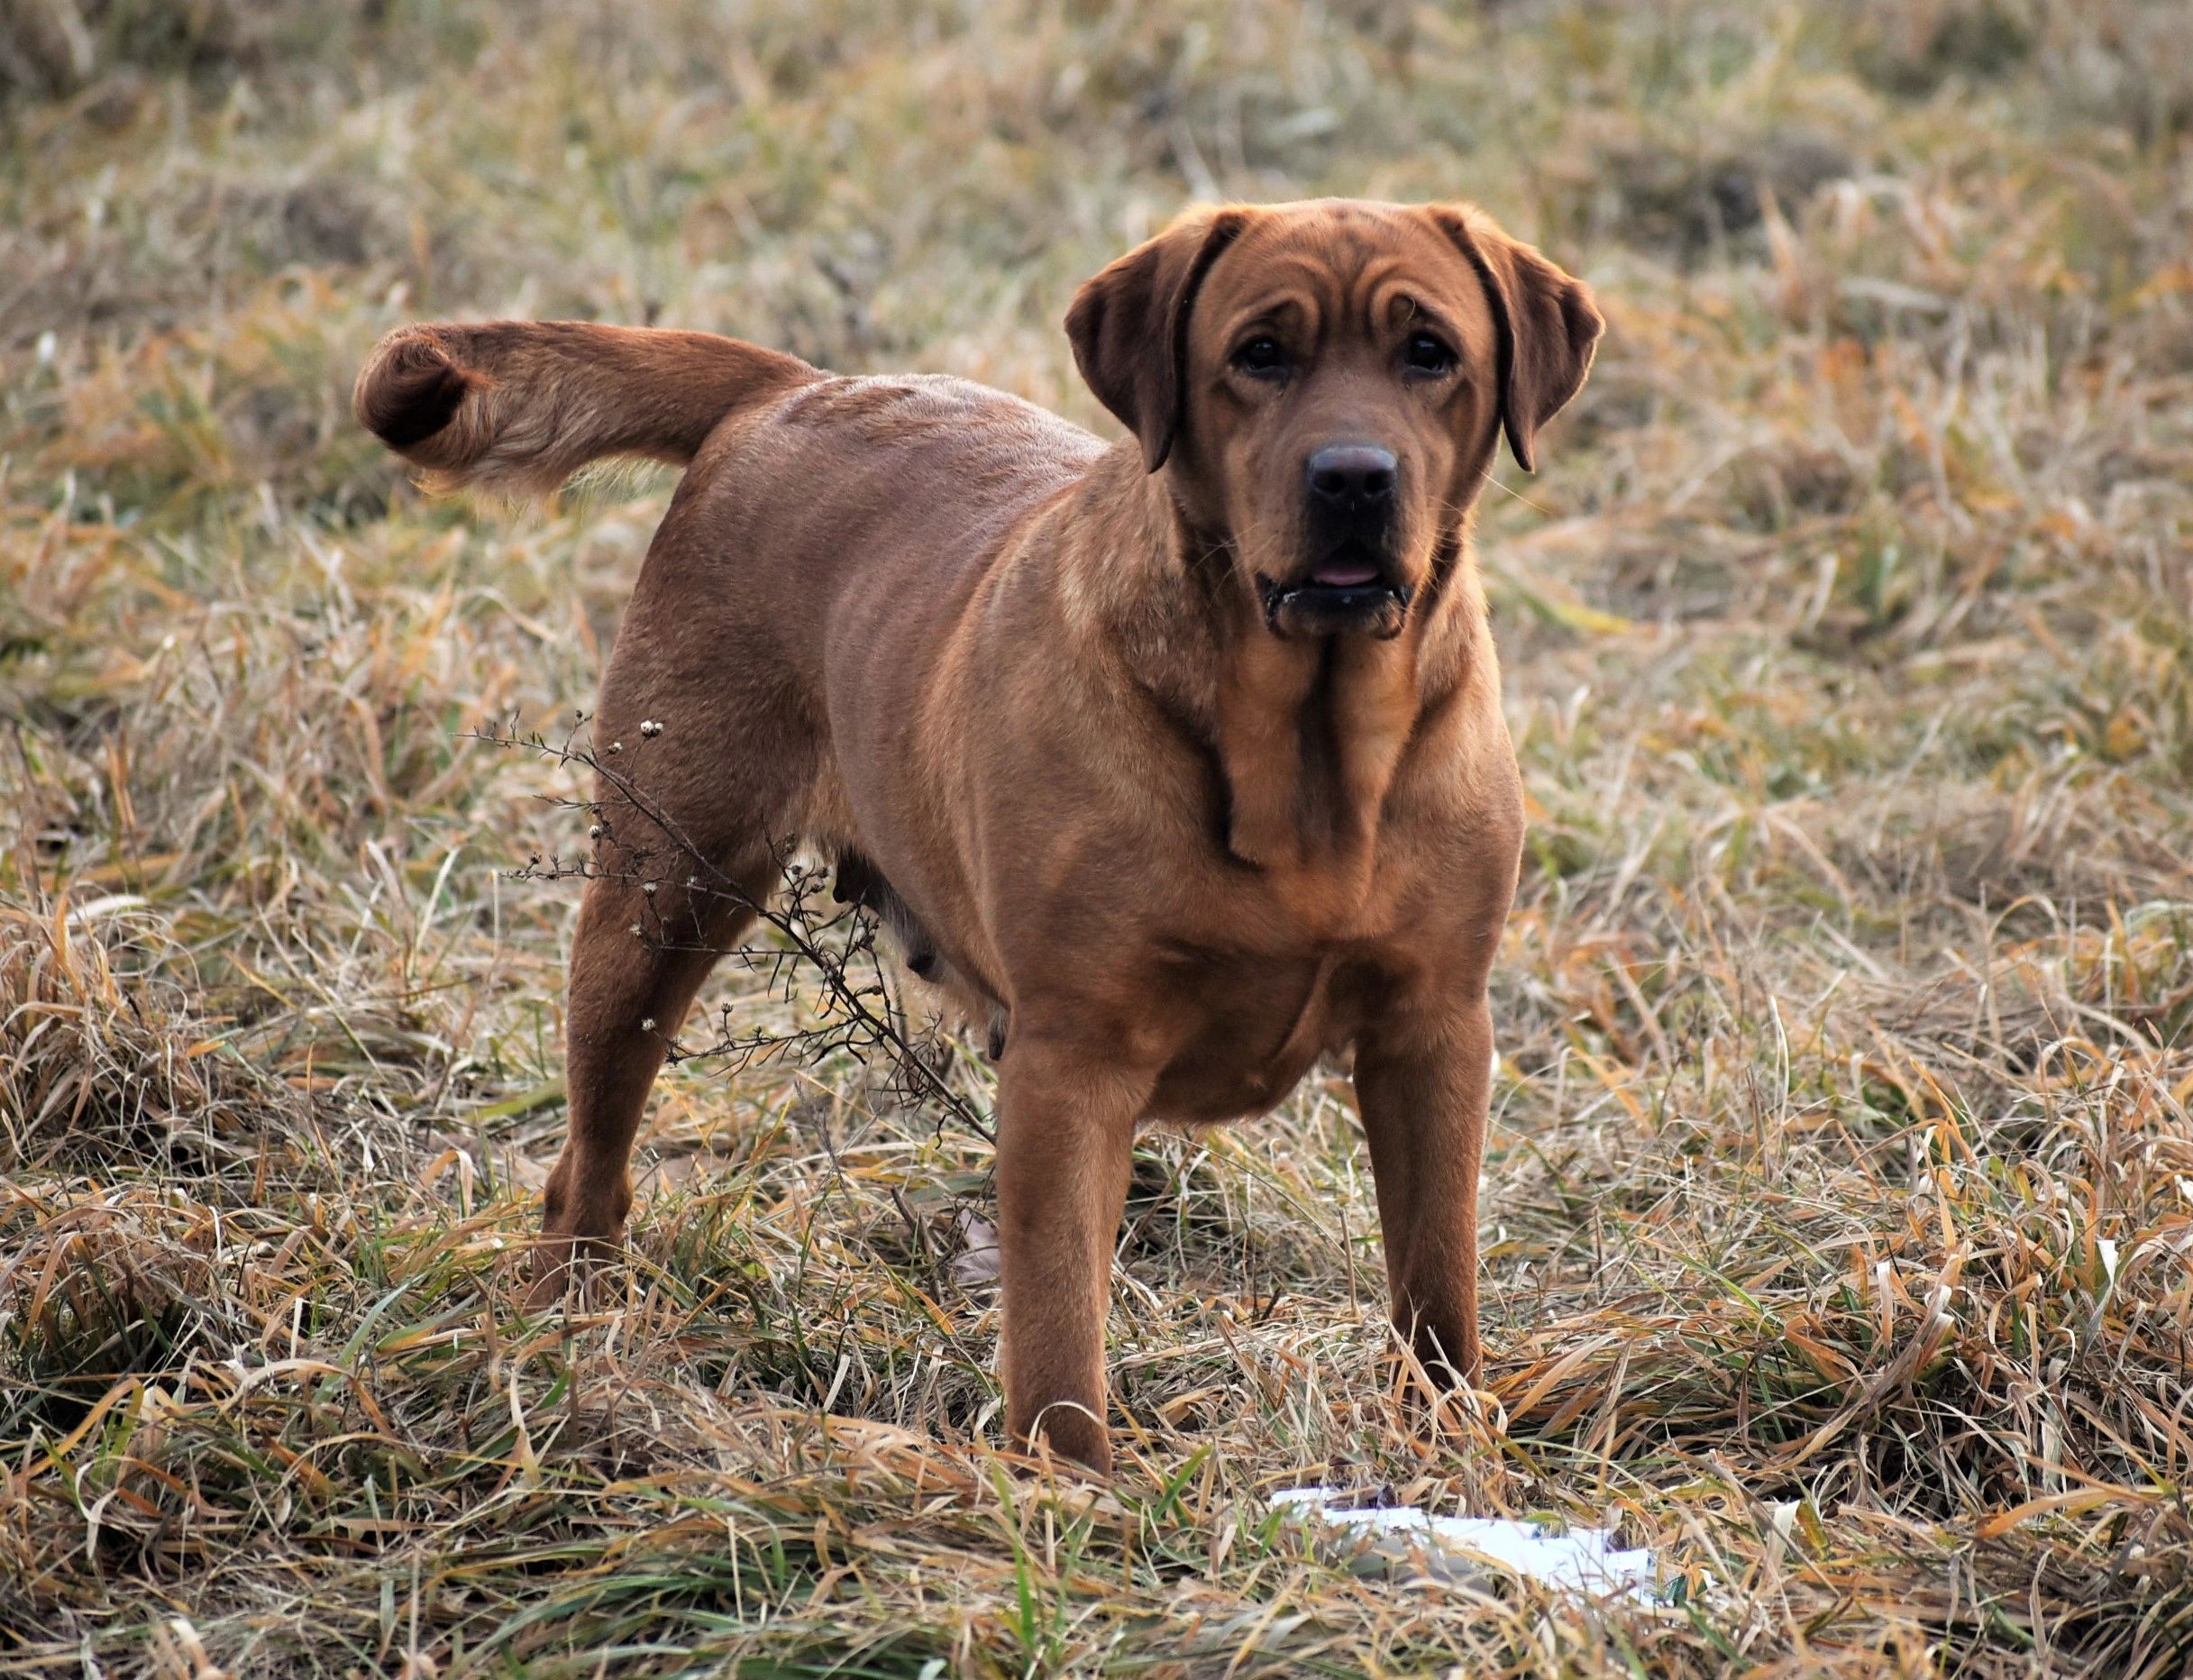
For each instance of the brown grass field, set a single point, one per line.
(1840, 1205)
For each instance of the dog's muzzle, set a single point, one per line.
(1349, 489)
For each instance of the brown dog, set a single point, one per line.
(1180, 760)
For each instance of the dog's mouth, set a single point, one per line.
(1344, 571)
(1346, 590)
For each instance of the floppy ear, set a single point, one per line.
(1546, 323)
(1129, 326)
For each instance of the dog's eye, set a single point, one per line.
(1426, 354)
(1261, 357)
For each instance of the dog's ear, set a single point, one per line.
(1129, 326)
(1549, 327)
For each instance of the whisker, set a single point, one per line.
(1520, 497)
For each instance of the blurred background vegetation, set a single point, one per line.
(1842, 1176)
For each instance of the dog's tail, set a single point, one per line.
(519, 406)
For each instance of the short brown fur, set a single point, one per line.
(1107, 732)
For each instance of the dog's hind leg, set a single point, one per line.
(687, 850)
(638, 959)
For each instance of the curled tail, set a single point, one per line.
(523, 404)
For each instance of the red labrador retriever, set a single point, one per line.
(1178, 760)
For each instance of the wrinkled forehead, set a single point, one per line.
(1341, 266)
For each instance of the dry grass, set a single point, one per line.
(1842, 1193)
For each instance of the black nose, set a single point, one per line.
(1355, 478)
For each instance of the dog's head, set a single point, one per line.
(1324, 385)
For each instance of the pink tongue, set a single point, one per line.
(1344, 574)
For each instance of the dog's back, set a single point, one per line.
(884, 494)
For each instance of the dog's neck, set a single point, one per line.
(1307, 735)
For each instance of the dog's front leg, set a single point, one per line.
(1423, 1086)
(1065, 1145)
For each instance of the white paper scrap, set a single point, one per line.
(1583, 1560)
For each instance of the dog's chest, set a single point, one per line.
(1249, 1027)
